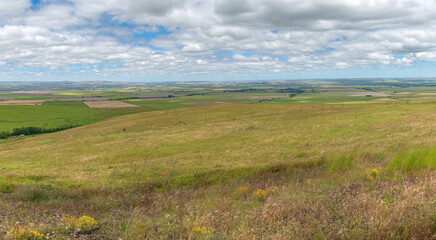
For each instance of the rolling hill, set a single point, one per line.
(194, 172)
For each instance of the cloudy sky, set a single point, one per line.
(167, 40)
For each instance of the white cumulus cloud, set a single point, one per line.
(130, 38)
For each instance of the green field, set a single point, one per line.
(52, 115)
(48, 115)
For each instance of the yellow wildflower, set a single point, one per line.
(16, 233)
(372, 175)
(86, 224)
(260, 194)
(201, 232)
(83, 224)
(69, 223)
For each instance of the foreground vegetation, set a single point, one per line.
(239, 171)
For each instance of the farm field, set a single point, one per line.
(46, 115)
(55, 114)
(109, 104)
(333, 167)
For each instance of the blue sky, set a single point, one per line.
(182, 40)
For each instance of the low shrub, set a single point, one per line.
(7, 187)
(36, 192)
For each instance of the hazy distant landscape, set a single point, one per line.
(216, 160)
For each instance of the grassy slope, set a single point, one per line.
(320, 98)
(190, 169)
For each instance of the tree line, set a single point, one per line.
(32, 131)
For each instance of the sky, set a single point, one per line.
(216, 40)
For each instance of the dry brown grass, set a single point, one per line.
(31, 92)
(22, 102)
(386, 100)
(301, 208)
(109, 104)
(216, 103)
(377, 94)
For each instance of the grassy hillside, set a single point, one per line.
(191, 173)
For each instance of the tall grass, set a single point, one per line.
(414, 159)
(37, 192)
(340, 162)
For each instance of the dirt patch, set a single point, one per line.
(245, 96)
(76, 99)
(22, 102)
(108, 104)
(386, 100)
(427, 94)
(216, 103)
(154, 96)
(225, 89)
(376, 94)
(336, 88)
(420, 99)
(32, 92)
(259, 96)
(161, 99)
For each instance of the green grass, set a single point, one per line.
(183, 102)
(214, 98)
(25, 97)
(415, 159)
(48, 115)
(158, 104)
(173, 171)
(235, 136)
(327, 98)
(341, 162)
(56, 114)
(109, 93)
